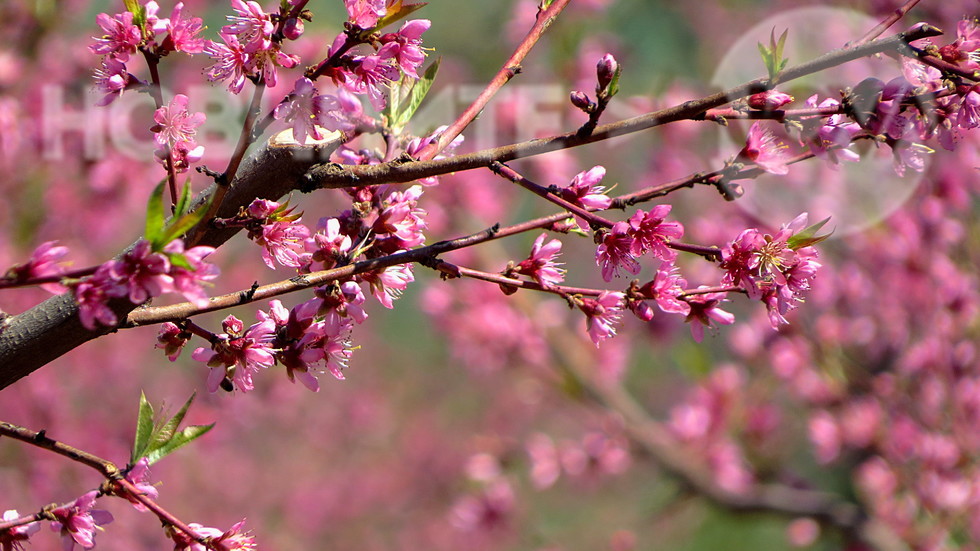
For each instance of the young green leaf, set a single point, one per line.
(179, 440)
(416, 95)
(808, 236)
(155, 217)
(144, 429)
(180, 224)
(184, 202)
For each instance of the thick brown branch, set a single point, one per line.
(33, 338)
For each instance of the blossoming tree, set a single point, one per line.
(548, 279)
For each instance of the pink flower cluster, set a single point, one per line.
(141, 274)
(300, 339)
(174, 134)
(770, 269)
(399, 53)
(123, 37)
(643, 232)
(249, 48)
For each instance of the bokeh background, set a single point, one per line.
(428, 443)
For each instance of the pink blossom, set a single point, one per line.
(401, 218)
(307, 111)
(601, 314)
(342, 301)
(828, 138)
(368, 75)
(766, 150)
(404, 47)
(665, 288)
(260, 209)
(183, 33)
(93, 308)
(13, 539)
(740, 260)
(283, 243)
(140, 274)
(237, 355)
(545, 468)
(121, 38)
(175, 124)
(585, 190)
(488, 511)
(77, 522)
(327, 245)
(235, 539)
(231, 62)
(171, 339)
(175, 131)
(138, 474)
(365, 13)
(770, 100)
(909, 155)
(705, 312)
(44, 262)
(825, 435)
(251, 25)
(190, 281)
(615, 251)
(389, 284)
(803, 532)
(265, 64)
(112, 79)
(302, 343)
(540, 264)
(651, 233)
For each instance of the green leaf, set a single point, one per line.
(184, 202)
(613, 87)
(179, 440)
(772, 55)
(155, 217)
(416, 95)
(144, 429)
(166, 431)
(180, 225)
(808, 236)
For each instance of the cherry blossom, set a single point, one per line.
(616, 251)
(585, 190)
(540, 264)
(767, 151)
(78, 522)
(601, 314)
(13, 539)
(121, 38)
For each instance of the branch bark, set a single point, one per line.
(52, 328)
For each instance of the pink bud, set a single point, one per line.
(581, 100)
(769, 100)
(293, 28)
(606, 70)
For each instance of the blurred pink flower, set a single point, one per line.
(13, 539)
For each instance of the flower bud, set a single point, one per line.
(606, 70)
(293, 28)
(581, 100)
(770, 100)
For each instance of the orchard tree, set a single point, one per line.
(637, 307)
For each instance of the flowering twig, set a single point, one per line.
(336, 176)
(114, 475)
(593, 219)
(510, 68)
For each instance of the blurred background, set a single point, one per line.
(463, 422)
